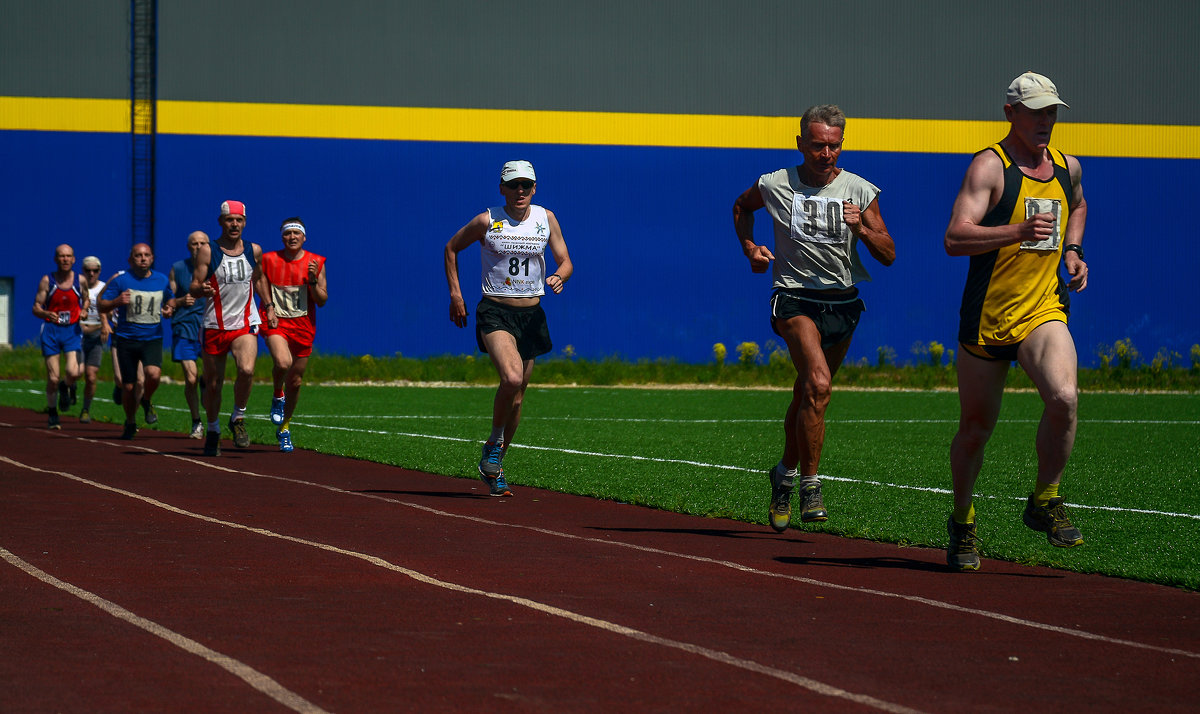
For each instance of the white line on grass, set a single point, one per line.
(812, 685)
(726, 467)
(245, 672)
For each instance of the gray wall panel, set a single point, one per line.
(64, 48)
(1115, 61)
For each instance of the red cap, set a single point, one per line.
(233, 208)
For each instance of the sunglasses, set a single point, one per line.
(515, 184)
(91, 270)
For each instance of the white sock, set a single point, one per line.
(238, 413)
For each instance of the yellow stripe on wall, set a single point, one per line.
(587, 128)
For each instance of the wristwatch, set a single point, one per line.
(1074, 248)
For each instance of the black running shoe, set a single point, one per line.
(130, 430)
(1052, 520)
(212, 443)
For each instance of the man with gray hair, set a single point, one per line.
(820, 213)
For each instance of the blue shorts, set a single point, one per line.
(185, 350)
(59, 339)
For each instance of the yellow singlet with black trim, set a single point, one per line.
(1012, 290)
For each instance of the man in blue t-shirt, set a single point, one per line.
(141, 298)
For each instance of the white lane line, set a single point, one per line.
(1083, 634)
(812, 685)
(726, 467)
(248, 674)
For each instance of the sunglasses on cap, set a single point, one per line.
(515, 184)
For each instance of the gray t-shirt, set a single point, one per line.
(814, 248)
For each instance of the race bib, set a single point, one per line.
(290, 300)
(1034, 206)
(144, 308)
(817, 219)
(64, 317)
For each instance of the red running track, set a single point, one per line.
(139, 576)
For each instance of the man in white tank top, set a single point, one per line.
(820, 214)
(228, 273)
(510, 323)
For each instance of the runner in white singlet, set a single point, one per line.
(228, 274)
(510, 323)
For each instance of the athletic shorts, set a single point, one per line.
(299, 341)
(130, 352)
(526, 324)
(998, 353)
(219, 342)
(184, 349)
(60, 339)
(835, 319)
(93, 349)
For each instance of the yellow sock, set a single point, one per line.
(286, 425)
(965, 516)
(1043, 492)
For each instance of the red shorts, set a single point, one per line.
(298, 338)
(219, 342)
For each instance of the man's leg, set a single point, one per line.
(292, 383)
(804, 423)
(282, 361)
(129, 361)
(506, 406)
(980, 391)
(1048, 357)
(191, 391)
(244, 350)
(214, 381)
(52, 379)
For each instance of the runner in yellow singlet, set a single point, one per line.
(1019, 213)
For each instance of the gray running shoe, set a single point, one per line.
(1052, 520)
(241, 437)
(779, 513)
(963, 552)
(812, 505)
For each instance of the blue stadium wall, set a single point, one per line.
(644, 197)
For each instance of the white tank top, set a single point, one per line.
(514, 254)
(93, 313)
(232, 304)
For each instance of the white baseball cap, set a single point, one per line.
(517, 169)
(1034, 90)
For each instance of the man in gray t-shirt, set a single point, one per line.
(819, 213)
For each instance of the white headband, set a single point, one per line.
(292, 226)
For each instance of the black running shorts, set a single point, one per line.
(526, 324)
(836, 320)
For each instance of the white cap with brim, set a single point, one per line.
(517, 169)
(1033, 90)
